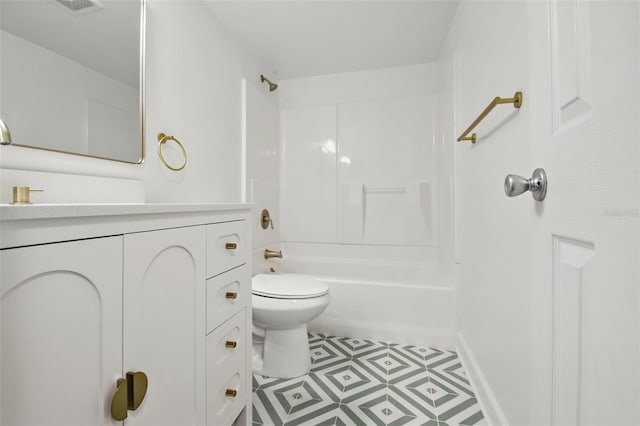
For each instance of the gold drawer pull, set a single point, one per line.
(231, 246)
(231, 295)
(231, 344)
(231, 392)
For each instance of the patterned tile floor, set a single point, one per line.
(362, 382)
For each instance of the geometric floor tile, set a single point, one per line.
(387, 366)
(413, 400)
(354, 347)
(322, 353)
(364, 370)
(453, 380)
(357, 381)
(408, 377)
(327, 360)
(297, 397)
(267, 410)
(460, 410)
(321, 413)
(324, 386)
(441, 359)
(382, 410)
(273, 383)
(416, 354)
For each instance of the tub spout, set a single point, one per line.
(268, 254)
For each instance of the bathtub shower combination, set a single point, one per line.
(395, 294)
(401, 299)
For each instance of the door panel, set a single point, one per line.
(584, 114)
(164, 302)
(61, 332)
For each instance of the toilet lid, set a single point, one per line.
(288, 286)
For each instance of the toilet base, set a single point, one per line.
(286, 353)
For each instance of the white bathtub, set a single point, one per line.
(396, 299)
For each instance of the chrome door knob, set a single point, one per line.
(515, 185)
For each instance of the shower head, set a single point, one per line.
(272, 85)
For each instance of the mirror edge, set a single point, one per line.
(141, 108)
(143, 88)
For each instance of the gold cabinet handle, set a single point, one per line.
(231, 295)
(137, 384)
(231, 344)
(231, 392)
(119, 401)
(129, 394)
(231, 246)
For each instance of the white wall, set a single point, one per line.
(262, 166)
(193, 92)
(357, 157)
(492, 247)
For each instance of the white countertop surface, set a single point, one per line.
(51, 211)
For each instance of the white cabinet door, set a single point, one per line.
(61, 310)
(164, 316)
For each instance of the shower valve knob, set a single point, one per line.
(515, 185)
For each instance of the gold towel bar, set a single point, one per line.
(516, 101)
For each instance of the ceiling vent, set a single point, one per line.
(79, 7)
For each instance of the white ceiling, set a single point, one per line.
(292, 38)
(299, 38)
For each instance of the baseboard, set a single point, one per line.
(485, 396)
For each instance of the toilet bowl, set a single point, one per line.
(282, 305)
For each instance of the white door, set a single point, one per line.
(584, 132)
(61, 333)
(164, 324)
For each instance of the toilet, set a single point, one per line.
(282, 305)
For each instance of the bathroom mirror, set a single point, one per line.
(71, 76)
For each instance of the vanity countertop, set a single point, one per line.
(23, 225)
(60, 211)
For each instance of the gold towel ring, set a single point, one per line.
(162, 138)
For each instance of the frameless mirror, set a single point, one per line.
(71, 76)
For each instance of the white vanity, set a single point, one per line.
(89, 293)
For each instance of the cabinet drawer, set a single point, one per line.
(226, 246)
(224, 407)
(227, 347)
(227, 294)
(226, 371)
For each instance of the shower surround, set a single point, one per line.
(402, 298)
(360, 199)
(359, 167)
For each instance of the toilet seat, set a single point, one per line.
(288, 286)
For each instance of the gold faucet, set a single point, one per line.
(21, 194)
(268, 254)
